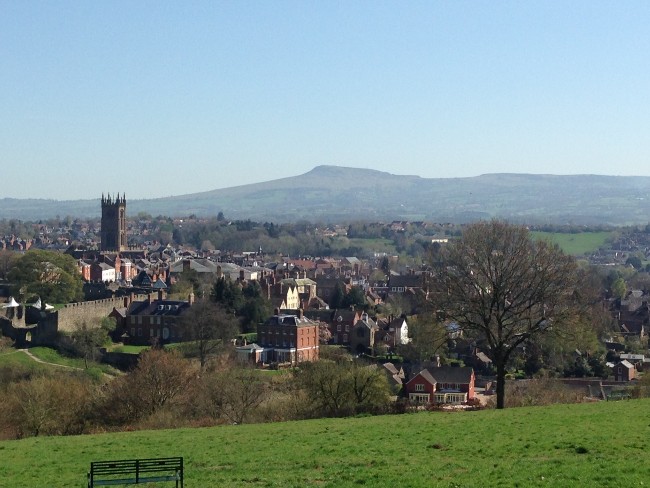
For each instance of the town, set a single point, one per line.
(119, 292)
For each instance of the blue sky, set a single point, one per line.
(167, 98)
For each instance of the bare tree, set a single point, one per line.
(210, 328)
(499, 284)
(235, 393)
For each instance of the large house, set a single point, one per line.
(445, 384)
(152, 320)
(287, 339)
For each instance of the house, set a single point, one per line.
(624, 371)
(403, 283)
(102, 272)
(394, 332)
(152, 319)
(395, 376)
(288, 339)
(442, 385)
(340, 322)
(362, 336)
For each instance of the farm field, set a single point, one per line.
(596, 444)
(575, 244)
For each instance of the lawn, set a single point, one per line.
(50, 355)
(575, 244)
(11, 357)
(597, 444)
(129, 349)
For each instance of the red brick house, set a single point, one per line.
(288, 339)
(441, 385)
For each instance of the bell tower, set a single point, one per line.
(113, 228)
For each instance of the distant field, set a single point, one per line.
(597, 444)
(575, 244)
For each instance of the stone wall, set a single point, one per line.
(91, 312)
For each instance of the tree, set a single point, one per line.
(428, 338)
(156, 382)
(51, 275)
(235, 393)
(337, 297)
(87, 338)
(7, 261)
(499, 284)
(355, 297)
(210, 327)
(619, 288)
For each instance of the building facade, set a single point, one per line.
(288, 339)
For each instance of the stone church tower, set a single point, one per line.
(113, 234)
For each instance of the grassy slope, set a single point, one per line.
(601, 444)
(575, 244)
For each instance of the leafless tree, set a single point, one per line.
(236, 392)
(210, 328)
(505, 288)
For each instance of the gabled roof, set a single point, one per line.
(625, 363)
(447, 374)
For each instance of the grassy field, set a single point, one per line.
(12, 357)
(598, 444)
(575, 244)
(129, 349)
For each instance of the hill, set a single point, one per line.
(332, 193)
(598, 444)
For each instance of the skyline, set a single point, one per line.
(157, 99)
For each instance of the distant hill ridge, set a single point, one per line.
(333, 193)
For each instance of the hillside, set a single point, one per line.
(332, 193)
(598, 444)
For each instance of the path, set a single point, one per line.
(39, 360)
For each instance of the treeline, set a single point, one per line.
(166, 390)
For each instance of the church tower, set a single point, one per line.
(113, 233)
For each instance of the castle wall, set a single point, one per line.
(91, 312)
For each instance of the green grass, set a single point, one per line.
(599, 444)
(575, 244)
(128, 349)
(12, 357)
(50, 355)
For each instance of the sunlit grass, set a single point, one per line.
(598, 444)
(575, 244)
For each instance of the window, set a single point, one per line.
(347, 328)
(345, 338)
(419, 397)
(139, 332)
(338, 327)
(419, 387)
(133, 331)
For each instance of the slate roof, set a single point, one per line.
(447, 374)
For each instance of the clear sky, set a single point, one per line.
(166, 98)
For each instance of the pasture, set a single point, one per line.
(595, 444)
